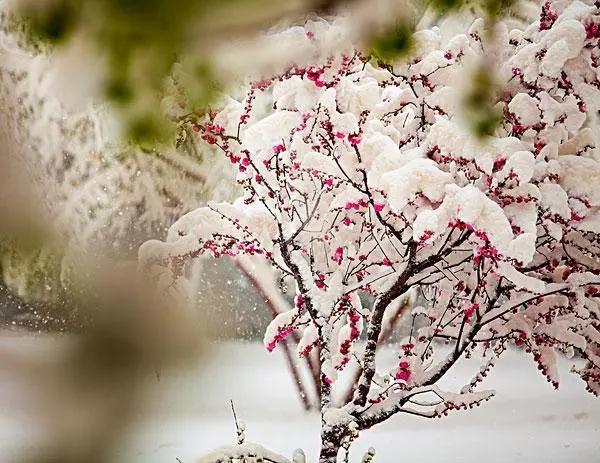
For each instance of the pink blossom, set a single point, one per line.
(378, 207)
(425, 236)
(320, 282)
(576, 217)
(499, 164)
(592, 30)
(282, 333)
(354, 139)
(314, 73)
(387, 262)
(407, 348)
(469, 311)
(210, 139)
(338, 256)
(403, 375)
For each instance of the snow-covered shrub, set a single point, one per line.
(361, 179)
(247, 452)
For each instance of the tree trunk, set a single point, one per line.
(331, 433)
(331, 442)
(329, 449)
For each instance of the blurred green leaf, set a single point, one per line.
(394, 43)
(479, 103)
(497, 8)
(445, 6)
(51, 21)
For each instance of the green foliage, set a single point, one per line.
(395, 43)
(52, 21)
(492, 9)
(446, 6)
(479, 102)
(497, 8)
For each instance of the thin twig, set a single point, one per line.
(234, 415)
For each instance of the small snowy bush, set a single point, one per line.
(362, 184)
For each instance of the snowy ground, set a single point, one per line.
(527, 422)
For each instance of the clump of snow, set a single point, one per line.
(418, 176)
(525, 108)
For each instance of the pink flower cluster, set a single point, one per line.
(210, 132)
(469, 311)
(547, 17)
(314, 74)
(403, 373)
(282, 333)
(354, 319)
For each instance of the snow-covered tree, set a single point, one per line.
(362, 184)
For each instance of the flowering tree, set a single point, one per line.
(361, 185)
